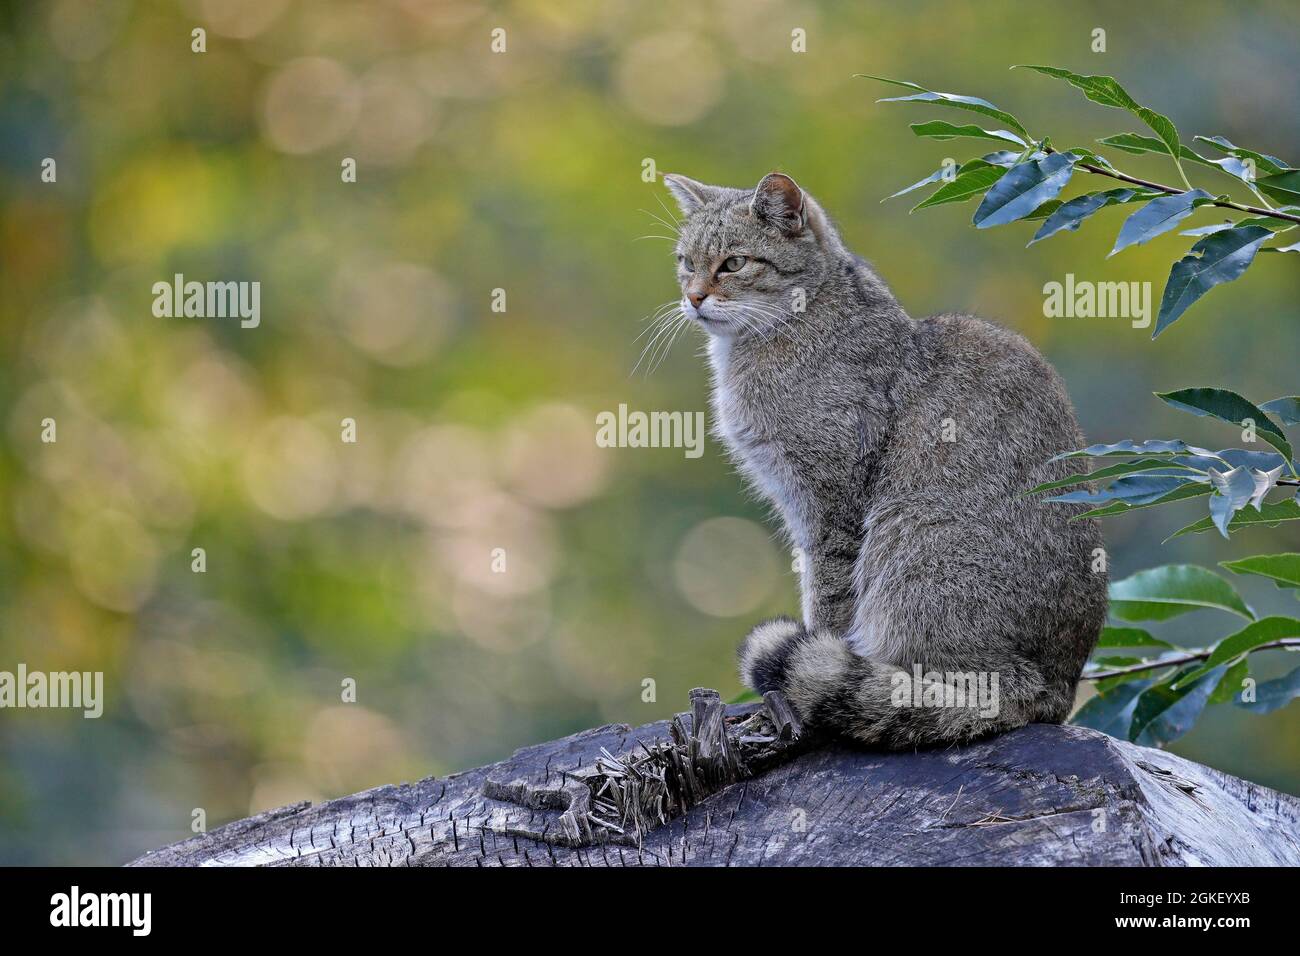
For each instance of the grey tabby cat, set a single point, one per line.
(895, 451)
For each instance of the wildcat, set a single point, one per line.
(895, 451)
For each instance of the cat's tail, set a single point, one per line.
(878, 704)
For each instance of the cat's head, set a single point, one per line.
(750, 260)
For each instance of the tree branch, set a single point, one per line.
(1184, 659)
(1174, 191)
(674, 793)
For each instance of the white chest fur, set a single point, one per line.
(748, 435)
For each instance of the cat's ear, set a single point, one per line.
(779, 200)
(689, 194)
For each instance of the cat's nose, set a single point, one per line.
(696, 297)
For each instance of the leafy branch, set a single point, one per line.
(1271, 212)
(1157, 709)
(1149, 690)
(1198, 654)
(1232, 480)
(1025, 183)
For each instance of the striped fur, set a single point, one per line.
(894, 451)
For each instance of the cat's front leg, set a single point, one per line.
(829, 596)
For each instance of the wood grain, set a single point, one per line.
(754, 791)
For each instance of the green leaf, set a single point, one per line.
(1230, 684)
(1228, 406)
(1264, 631)
(970, 183)
(1085, 155)
(1273, 222)
(1271, 514)
(1163, 714)
(1189, 490)
(1111, 711)
(1157, 670)
(1223, 257)
(1073, 212)
(934, 177)
(1284, 187)
(1283, 569)
(1265, 481)
(1156, 217)
(937, 175)
(1100, 89)
(1170, 448)
(1270, 223)
(1287, 409)
(972, 103)
(1158, 594)
(1132, 490)
(1111, 471)
(906, 84)
(1233, 458)
(1024, 188)
(1271, 695)
(1129, 637)
(1235, 489)
(1264, 163)
(940, 129)
(748, 697)
(1049, 207)
(1207, 230)
(1112, 662)
(1106, 91)
(1002, 158)
(1234, 166)
(1238, 169)
(1137, 143)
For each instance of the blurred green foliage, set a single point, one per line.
(479, 171)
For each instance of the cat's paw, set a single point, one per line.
(765, 651)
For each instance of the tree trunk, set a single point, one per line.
(742, 785)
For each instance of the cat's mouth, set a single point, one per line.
(710, 316)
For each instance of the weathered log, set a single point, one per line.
(742, 785)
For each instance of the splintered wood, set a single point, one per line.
(619, 798)
(648, 786)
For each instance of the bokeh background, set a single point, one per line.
(477, 171)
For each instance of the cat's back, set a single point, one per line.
(995, 383)
(980, 413)
(980, 418)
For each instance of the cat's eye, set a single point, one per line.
(685, 263)
(733, 264)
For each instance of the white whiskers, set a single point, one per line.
(754, 316)
(663, 326)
